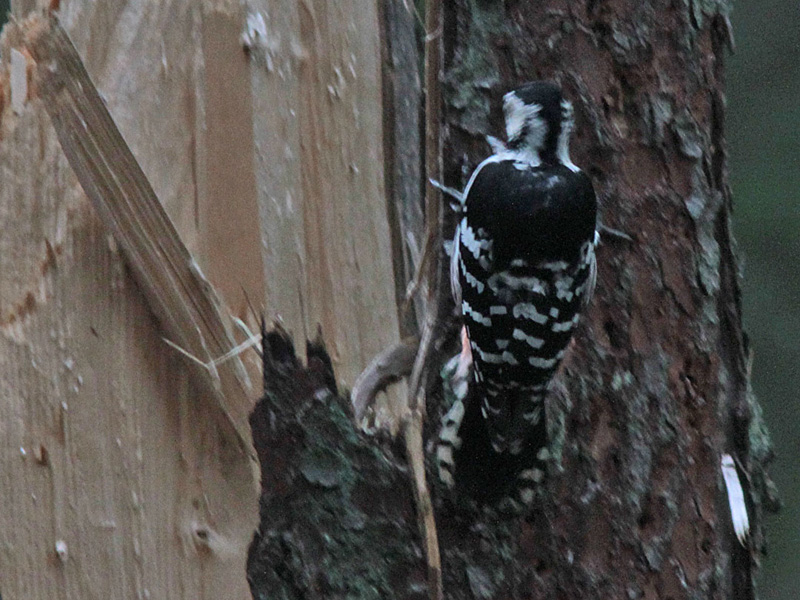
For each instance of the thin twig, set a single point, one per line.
(429, 265)
(422, 497)
(430, 270)
(419, 276)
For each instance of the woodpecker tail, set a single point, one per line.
(466, 453)
(511, 412)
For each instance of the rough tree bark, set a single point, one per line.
(656, 386)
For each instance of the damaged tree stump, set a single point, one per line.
(337, 512)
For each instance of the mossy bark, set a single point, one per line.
(337, 513)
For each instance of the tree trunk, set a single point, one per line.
(655, 388)
(120, 477)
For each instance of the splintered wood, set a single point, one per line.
(176, 290)
(124, 472)
(120, 456)
(316, 78)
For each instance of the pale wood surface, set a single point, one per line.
(319, 167)
(137, 464)
(140, 476)
(110, 453)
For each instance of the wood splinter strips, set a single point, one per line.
(171, 281)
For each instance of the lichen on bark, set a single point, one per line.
(336, 510)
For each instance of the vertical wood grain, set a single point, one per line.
(319, 152)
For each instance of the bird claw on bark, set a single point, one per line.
(615, 233)
(452, 192)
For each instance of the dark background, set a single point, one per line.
(764, 148)
(763, 120)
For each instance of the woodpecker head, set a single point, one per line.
(539, 122)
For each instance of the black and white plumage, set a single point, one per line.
(523, 266)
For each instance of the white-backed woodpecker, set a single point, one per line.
(522, 269)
